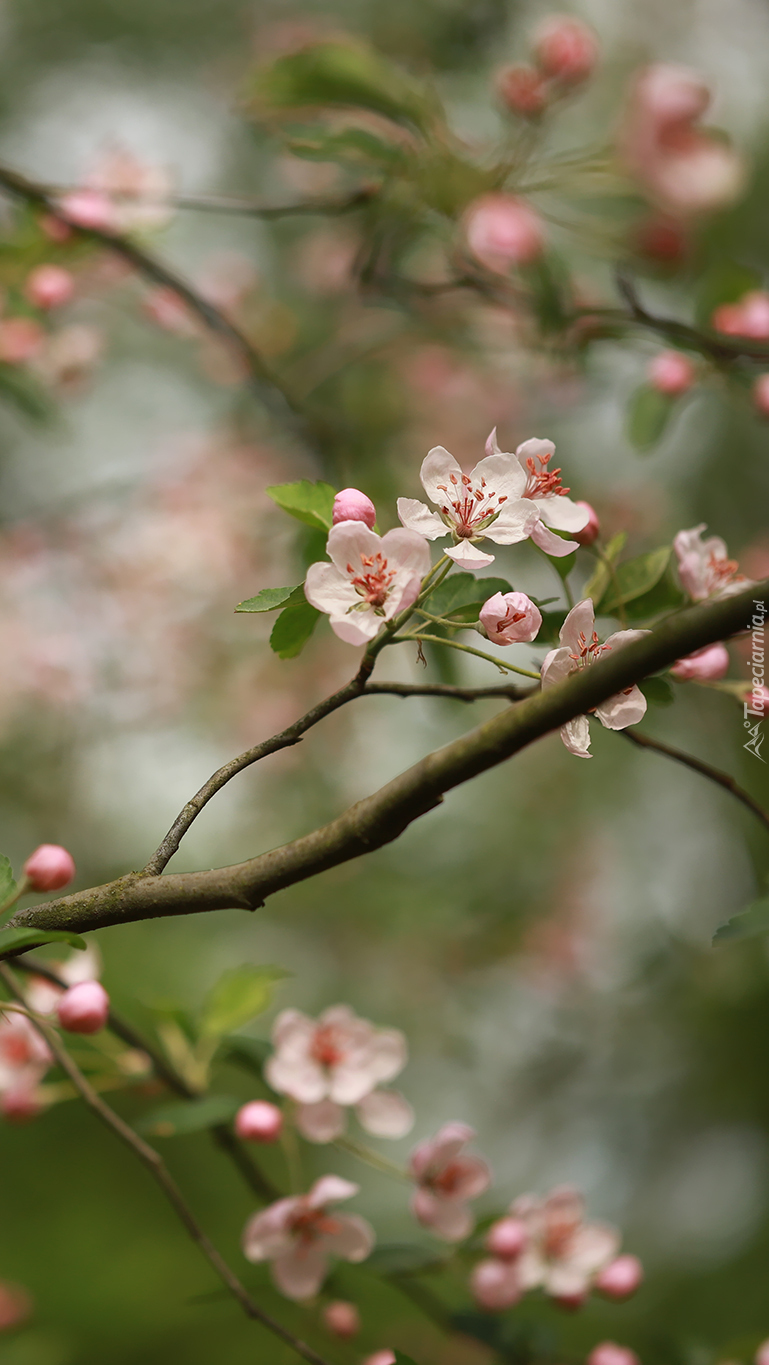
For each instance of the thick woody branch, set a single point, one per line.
(379, 819)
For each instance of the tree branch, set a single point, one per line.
(507, 691)
(222, 203)
(714, 344)
(379, 819)
(724, 780)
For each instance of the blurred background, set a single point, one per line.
(544, 939)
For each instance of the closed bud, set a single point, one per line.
(19, 1104)
(671, 372)
(380, 1358)
(566, 49)
(507, 1238)
(83, 1008)
(621, 1278)
(706, 665)
(495, 1285)
(342, 1318)
(49, 286)
(609, 1353)
(259, 1121)
(89, 209)
(522, 90)
(49, 868)
(592, 528)
(510, 618)
(502, 231)
(352, 505)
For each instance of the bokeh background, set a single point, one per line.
(544, 939)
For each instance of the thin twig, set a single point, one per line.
(466, 649)
(223, 203)
(157, 1168)
(395, 689)
(719, 347)
(698, 766)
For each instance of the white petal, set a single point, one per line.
(592, 1247)
(329, 590)
(562, 513)
(330, 1189)
(531, 449)
(492, 444)
(502, 473)
(448, 1219)
(551, 544)
(468, 556)
(348, 541)
(624, 637)
(322, 1122)
(415, 516)
(300, 1273)
(556, 666)
(353, 1239)
(359, 627)
(576, 736)
(580, 621)
(626, 708)
(516, 521)
(385, 1113)
(267, 1234)
(297, 1076)
(437, 468)
(407, 550)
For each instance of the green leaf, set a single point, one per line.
(401, 1258)
(751, 923)
(11, 940)
(401, 1359)
(342, 74)
(312, 503)
(634, 578)
(665, 596)
(648, 415)
(25, 393)
(7, 883)
(600, 578)
(269, 599)
(249, 1053)
(189, 1116)
(462, 595)
(293, 629)
(563, 564)
(355, 145)
(238, 996)
(657, 691)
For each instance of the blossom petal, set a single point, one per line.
(384, 1056)
(576, 736)
(348, 541)
(357, 628)
(385, 1113)
(580, 621)
(352, 1240)
(416, 516)
(321, 1122)
(468, 556)
(329, 590)
(268, 1233)
(450, 1220)
(556, 665)
(532, 450)
(550, 543)
(502, 473)
(438, 467)
(516, 521)
(472, 1177)
(626, 708)
(406, 550)
(329, 1189)
(560, 512)
(438, 1151)
(300, 1273)
(592, 1247)
(299, 1077)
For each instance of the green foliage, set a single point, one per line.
(238, 996)
(11, 940)
(648, 415)
(549, 631)
(248, 1053)
(25, 393)
(657, 691)
(312, 503)
(351, 146)
(750, 923)
(665, 596)
(724, 281)
(462, 595)
(7, 883)
(189, 1116)
(294, 627)
(599, 580)
(342, 75)
(401, 1258)
(634, 579)
(563, 564)
(269, 599)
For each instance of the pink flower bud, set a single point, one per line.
(566, 49)
(522, 90)
(495, 1285)
(49, 868)
(19, 1104)
(54, 229)
(572, 1301)
(510, 618)
(83, 1008)
(706, 665)
(342, 1318)
(90, 209)
(662, 239)
(259, 1121)
(506, 1238)
(762, 1354)
(761, 395)
(15, 1306)
(380, 1358)
(352, 505)
(49, 286)
(592, 528)
(671, 372)
(621, 1278)
(20, 340)
(609, 1353)
(502, 231)
(754, 315)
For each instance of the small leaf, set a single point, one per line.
(648, 415)
(7, 883)
(238, 996)
(401, 1258)
(293, 629)
(634, 578)
(600, 578)
(751, 923)
(549, 631)
(462, 595)
(312, 503)
(249, 1053)
(657, 691)
(664, 597)
(355, 145)
(189, 1116)
(269, 599)
(11, 940)
(25, 393)
(342, 74)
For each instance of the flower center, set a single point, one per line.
(15, 1049)
(543, 482)
(588, 650)
(327, 1047)
(374, 581)
(720, 571)
(446, 1180)
(469, 509)
(307, 1225)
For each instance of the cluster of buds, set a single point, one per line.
(564, 52)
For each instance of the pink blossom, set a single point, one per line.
(592, 528)
(369, 580)
(502, 230)
(510, 618)
(90, 208)
(761, 394)
(704, 566)
(259, 1121)
(671, 372)
(522, 90)
(564, 1254)
(337, 1060)
(384, 1357)
(609, 1353)
(24, 1060)
(71, 353)
(83, 1008)
(15, 1306)
(342, 1318)
(49, 868)
(49, 286)
(705, 665)
(55, 230)
(566, 49)
(138, 192)
(20, 340)
(507, 1238)
(446, 1179)
(620, 1278)
(662, 239)
(580, 647)
(299, 1235)
(20, 1104)
(762, 1354)
(749, 317)
(495, 1285)
(684, 167)
(81, 965)
(352, 505)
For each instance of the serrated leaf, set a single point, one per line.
(400, 1258)
(634, 578)
(312, 503)
(11, 940)
(750, 923)
(189, 1116)
(269, 599)
(657, 691)
(238, 996)
(293, 629)
(648, 415)
(600, 578)
(462, 595)
(343, 75)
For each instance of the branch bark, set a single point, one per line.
(379, 819)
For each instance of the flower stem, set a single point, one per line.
(468, 649)
(371, 1158)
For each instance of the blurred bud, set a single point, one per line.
(566, 49)
(495, 1285)
(571, 1301)
(15, 1306)
(592, 528)
(706, 665)
(83, 1008)
(49, 286)
(342, 1318)
(609, 1353)
(510, 618)
(762, 1354)
(671, 372)
(19, 1104)
(259, 1121)
(502, 231)
(749, 317)
(761, 395)
(662, 239)
(352, 505)
(49, 868)
(20, 340)
(522, 90)
(506, 1238)
(380, 1358)
(90, 209)
(54, 229)
(621, 1278)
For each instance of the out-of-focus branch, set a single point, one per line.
(249, 208)
(381, 818)
(506, 691)
(713, 344)
(157, 1168)
(721, 779)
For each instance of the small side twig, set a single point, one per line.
(718, 347)
(721, 779)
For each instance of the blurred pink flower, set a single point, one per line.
(446, 1179)
(342, 1318)
(21, 339)
(580, 647)
(609, 1353)
(138, 192)
(24, 1060)
(564, 1254)
(370, 579)
(566, 49)
(510, 618)
(706, 665)
(384, 1357)
(259, 1121)
(761, 395)
(83, 1008)
(300, 1234)
(71, 353)
(620, 1278)
(671, 372)
(748, 317)
(522, 90)
(496, 1285)
(704, 566)
(90, 208)
(502, 231)
(15, 1306)
(49, 286)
